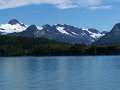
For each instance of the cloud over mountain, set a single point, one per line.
(62, 4)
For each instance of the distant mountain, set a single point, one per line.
(59, 32)
(113, 37)
(12, 26)
(69, 34)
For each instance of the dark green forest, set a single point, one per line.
(27, 46)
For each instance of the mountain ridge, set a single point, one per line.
(59, 32)
(111, 37)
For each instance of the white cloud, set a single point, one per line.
(62, 4)
(100, 7)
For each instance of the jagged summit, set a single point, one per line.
(116, 28)
(32, 28)
(13, 22)
(12, 26)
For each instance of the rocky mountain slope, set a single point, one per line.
(112, 37)
(59, 32)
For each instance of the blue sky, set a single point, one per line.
(99, 14)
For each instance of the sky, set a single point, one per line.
(97, 14)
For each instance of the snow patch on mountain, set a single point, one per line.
(93, 34)
(74, 33)
(61, 30)
(8, 28)
(84, 29)
(39, 28)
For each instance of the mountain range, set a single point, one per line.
(59, 32)
(63, 33)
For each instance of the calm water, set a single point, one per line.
(60, 73)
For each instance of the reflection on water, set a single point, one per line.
(60, 73)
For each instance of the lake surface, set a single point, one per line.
(60, 73)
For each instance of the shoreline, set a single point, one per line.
(59, 56)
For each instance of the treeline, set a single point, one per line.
(26, 46)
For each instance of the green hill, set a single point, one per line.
(26, 46)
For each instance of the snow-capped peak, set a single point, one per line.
(84, 29)
(8, 28)
(13, 26)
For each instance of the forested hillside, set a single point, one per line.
(26, 46)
